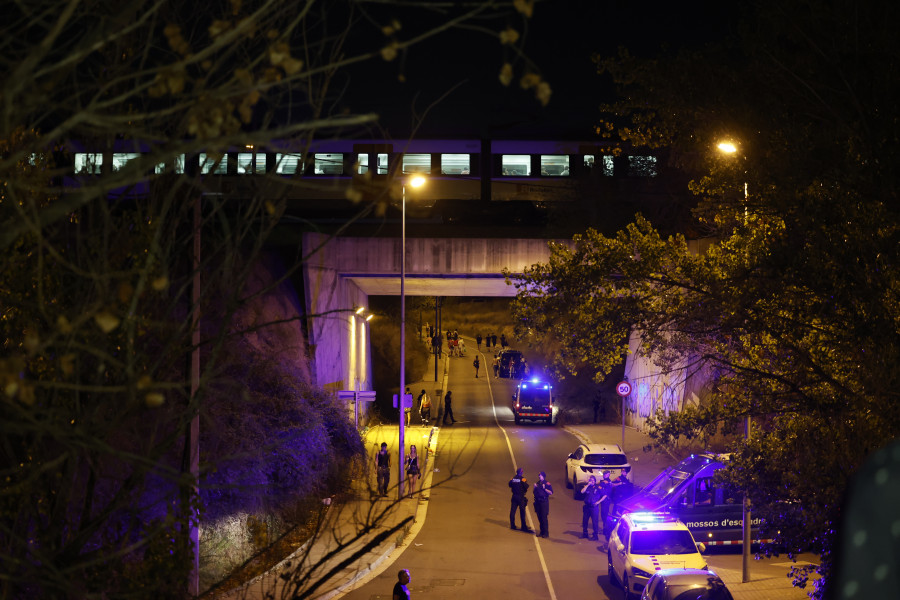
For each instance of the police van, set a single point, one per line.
(713, 513)
(533, 400)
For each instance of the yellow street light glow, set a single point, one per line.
(417, 181)
(369, 318)
(360, 310)
(727, 147)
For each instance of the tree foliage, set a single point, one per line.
(792, 311)
(97, 271)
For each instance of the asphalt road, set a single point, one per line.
(466, 548)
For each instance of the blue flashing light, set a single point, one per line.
(534, 380)
(651, 517)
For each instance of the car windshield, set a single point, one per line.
(666, 484)
(529, 394)
(672, 541)
(606, 459)
(717, 592)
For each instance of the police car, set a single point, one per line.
(644, 543)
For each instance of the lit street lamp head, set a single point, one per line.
(416, 181)
(727, 147)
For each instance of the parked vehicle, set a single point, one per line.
(642, 542)
(512, 364)
(533, 400)
(593, 459)
(686, 584)
(713, 513)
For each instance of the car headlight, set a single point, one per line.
(640, 573)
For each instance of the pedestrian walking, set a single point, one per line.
(476, 364)
(518, 485)
(448, 409)
(406, 409)
(401, 592)
(478, 339)
(496, 365)
(494, 340)
(383, 469)
(591, 509)
(542, 492)
(503, 342)
(487, 340)
(425, 408)
(412, 469)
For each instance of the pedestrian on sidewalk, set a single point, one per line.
(448, 409)
(591, 509)
(401, 592)
(478, 339)
(412, 469)
(408, 409)
(383, 469)
(542, 492)
(487, 340)
(518, 485)
(425, 408)
(494, 340)
(476, 364)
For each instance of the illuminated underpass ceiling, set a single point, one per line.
(435, 285)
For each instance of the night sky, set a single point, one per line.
(561, 39)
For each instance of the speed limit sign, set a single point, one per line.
(623, 388)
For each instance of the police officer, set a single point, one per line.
(591, 509)
(519, 487)
(542, 492)
(606, 488)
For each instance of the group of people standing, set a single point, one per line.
(491, 340)
(542, 491)
(597, 499)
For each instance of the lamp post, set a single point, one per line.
(414, 181)
(730, 148)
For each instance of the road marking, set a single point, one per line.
(512, 456)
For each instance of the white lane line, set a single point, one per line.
(512, 456)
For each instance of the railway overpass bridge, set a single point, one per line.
(340, 273)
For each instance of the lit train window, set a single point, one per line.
(608, 166)
(216, 166)
(245, 163)
(177, 163)
(554, 165)
(88, 164)
(382, 160)
(329, 164)
(288, 164)
(516, 164)
(605, 163)
(120, 158)
(642, 166)
(456, 164)
(417, 163)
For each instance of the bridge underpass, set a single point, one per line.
(341, 273)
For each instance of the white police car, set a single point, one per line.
(644, 543)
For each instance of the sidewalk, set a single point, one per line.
(363, 535)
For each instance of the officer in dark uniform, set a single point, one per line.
(606, 489)
(542, 492)
(519, 487)
(591, 509)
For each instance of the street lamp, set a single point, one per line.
(414, 181)
(727, 147)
